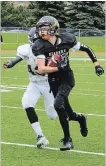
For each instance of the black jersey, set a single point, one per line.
(62, 45)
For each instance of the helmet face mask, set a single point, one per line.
(44, 32)
(32, 35)
(50, 23)
(31, 39)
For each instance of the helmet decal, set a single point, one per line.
(48, 21)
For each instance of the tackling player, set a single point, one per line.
(38, 86)
(61, 78)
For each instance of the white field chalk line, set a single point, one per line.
(4, 90)
(87, 74)
(99, 83)
(50, 148)
(24, 87)
(82, 94)
(13, 87)
(81, 59)
(44, 110)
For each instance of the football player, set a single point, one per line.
(61, 78)
(38, 86)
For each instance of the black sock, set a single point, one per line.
(64, 121)
(31, 114)
(72, 115)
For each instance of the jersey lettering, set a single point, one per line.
(57, 52)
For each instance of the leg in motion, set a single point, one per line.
(81, 118)
(64, 121)
(33, 119)
(28, 104)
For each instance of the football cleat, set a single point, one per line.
(83, 125)
(67, 144)
(42, 141)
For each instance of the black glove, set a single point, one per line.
(62, 66)
(99, 70)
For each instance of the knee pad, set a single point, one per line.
(51, 112)
(59, 102)
(26, 102)
(59, 105)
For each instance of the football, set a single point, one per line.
(54, 60)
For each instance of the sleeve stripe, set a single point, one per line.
(41, 56)
(89, 49)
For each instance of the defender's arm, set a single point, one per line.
(12, 63)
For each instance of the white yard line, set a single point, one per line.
(5, 90)
(15, 78)
(44, 110)
(88, 94)
(51, 148)
(13, 87)
(75, 59)
(24, 88)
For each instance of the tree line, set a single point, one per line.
(72, 14)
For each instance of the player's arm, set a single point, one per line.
(20, 55)
(37, 50)
(12, 63)
(41, 66)
(82, 47)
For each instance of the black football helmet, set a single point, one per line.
(49, 21)
(32, 35)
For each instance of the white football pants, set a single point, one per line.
(33, 93)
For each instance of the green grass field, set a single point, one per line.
(12, 40)
(18, 136)
(88, 96)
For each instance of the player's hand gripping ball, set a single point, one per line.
(54, 60)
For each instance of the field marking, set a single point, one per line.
(13, 87)
(87, 94)
(81, 59)
(19, 71)
(56, 149)
(44, 111)
(24, 87)
(82, 94)
(15, 78)
(4, 90)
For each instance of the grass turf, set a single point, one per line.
(12, 40)
(87, 97)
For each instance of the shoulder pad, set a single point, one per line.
(23, 49)
(68, 37)
(38, 47)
